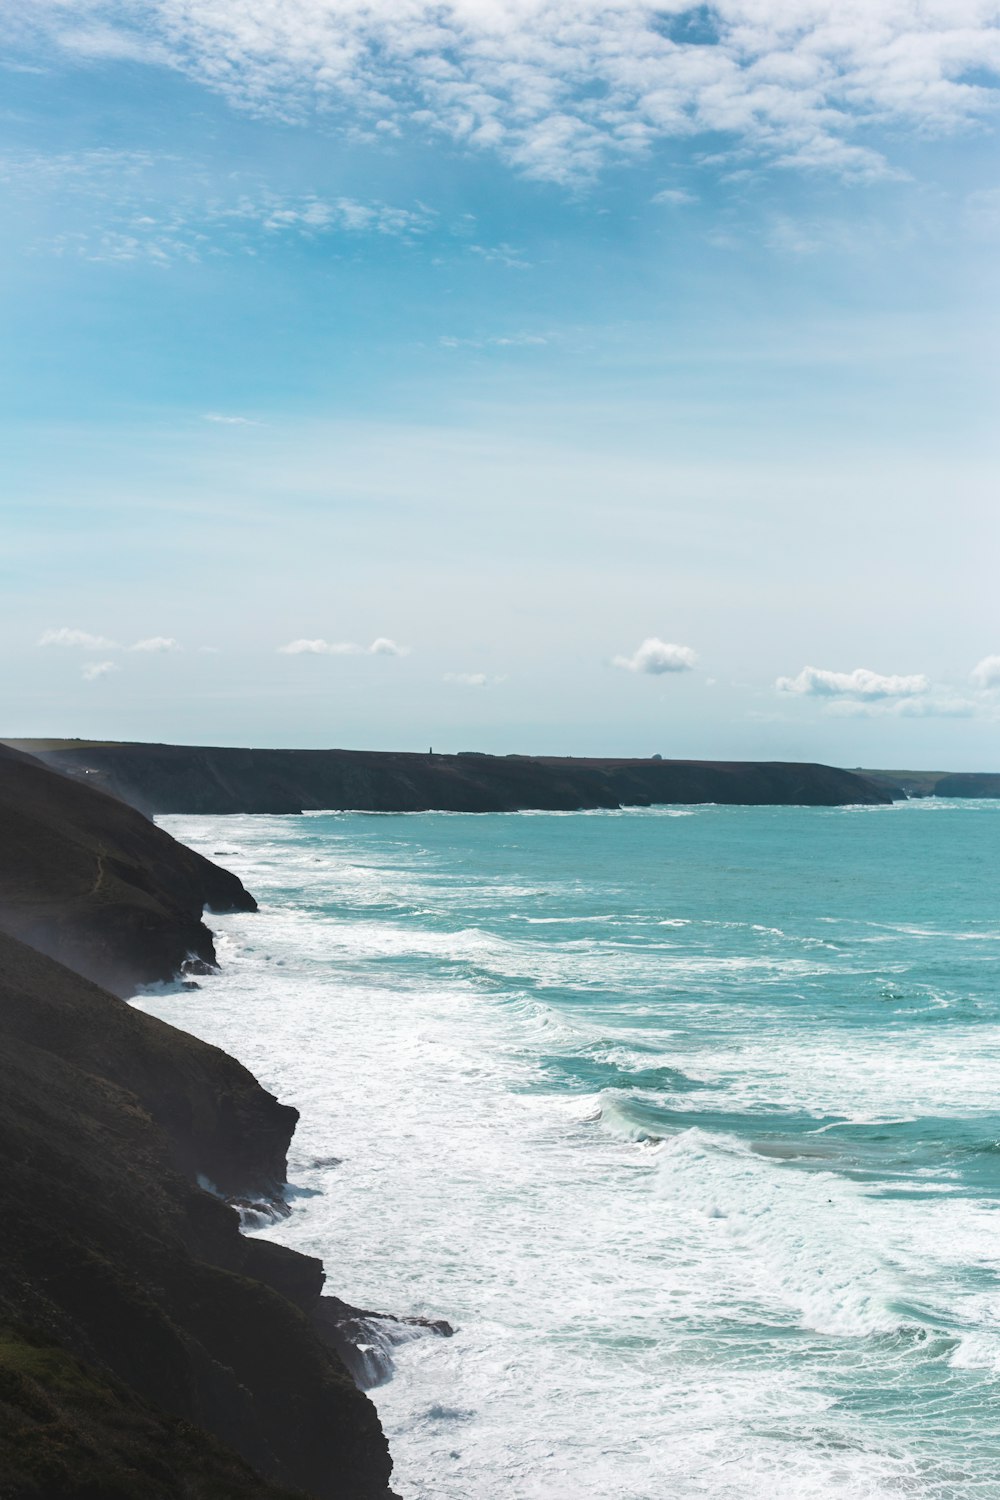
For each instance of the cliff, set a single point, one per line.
(95, 884)
(133, 1308)
(192, 779)
(147, 1348)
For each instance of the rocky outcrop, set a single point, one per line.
(192, 779)
(968, 784)
(95, 884)
(907, 784)
(146, 1346)
(366, 1340)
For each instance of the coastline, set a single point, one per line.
(165, 779)
(92, 1083)
(146, 1344)
(650, 1095)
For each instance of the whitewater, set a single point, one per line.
(687, 1119)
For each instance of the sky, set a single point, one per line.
(560, 376)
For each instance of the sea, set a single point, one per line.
(686, 1118)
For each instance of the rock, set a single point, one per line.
(192, 965)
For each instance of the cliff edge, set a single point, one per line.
(93, 883)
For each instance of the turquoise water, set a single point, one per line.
(688, 1118)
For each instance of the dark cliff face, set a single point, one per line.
(96, 885)
(144, 1343)
(192, 779)
(217, 1121)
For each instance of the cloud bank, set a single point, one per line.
(562, 88)
(656, 657)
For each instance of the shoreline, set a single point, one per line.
(147, 1345)
(391, 997)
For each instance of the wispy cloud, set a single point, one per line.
(315, 216)
(156, 643)
(496, 341)
(657, 657)
(227, 420)
(84, 640)
(562, 88)
(382, 646)
(472, 679)
(935, 706)
(676, 197)
(77, 638)
(503, 255)
(94, 670)
(161, 209)
(860, 684)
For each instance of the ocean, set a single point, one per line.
(687, 1119)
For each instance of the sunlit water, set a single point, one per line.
(687, 1119)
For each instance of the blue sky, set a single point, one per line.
(625, 375)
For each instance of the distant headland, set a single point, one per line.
(205, 779)
(164, 779)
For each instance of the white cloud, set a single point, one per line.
(227, 421)
(321, 648)
(676, 196)
(861, 684)
(93, 670)
(657, 657)
(986, 673)
(156, 643)
(562, 88)
(495, 341)
(82, 638)
(467, 679)
(382, 646)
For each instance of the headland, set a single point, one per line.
(203, 779)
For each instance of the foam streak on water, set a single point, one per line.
(689, 1124)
